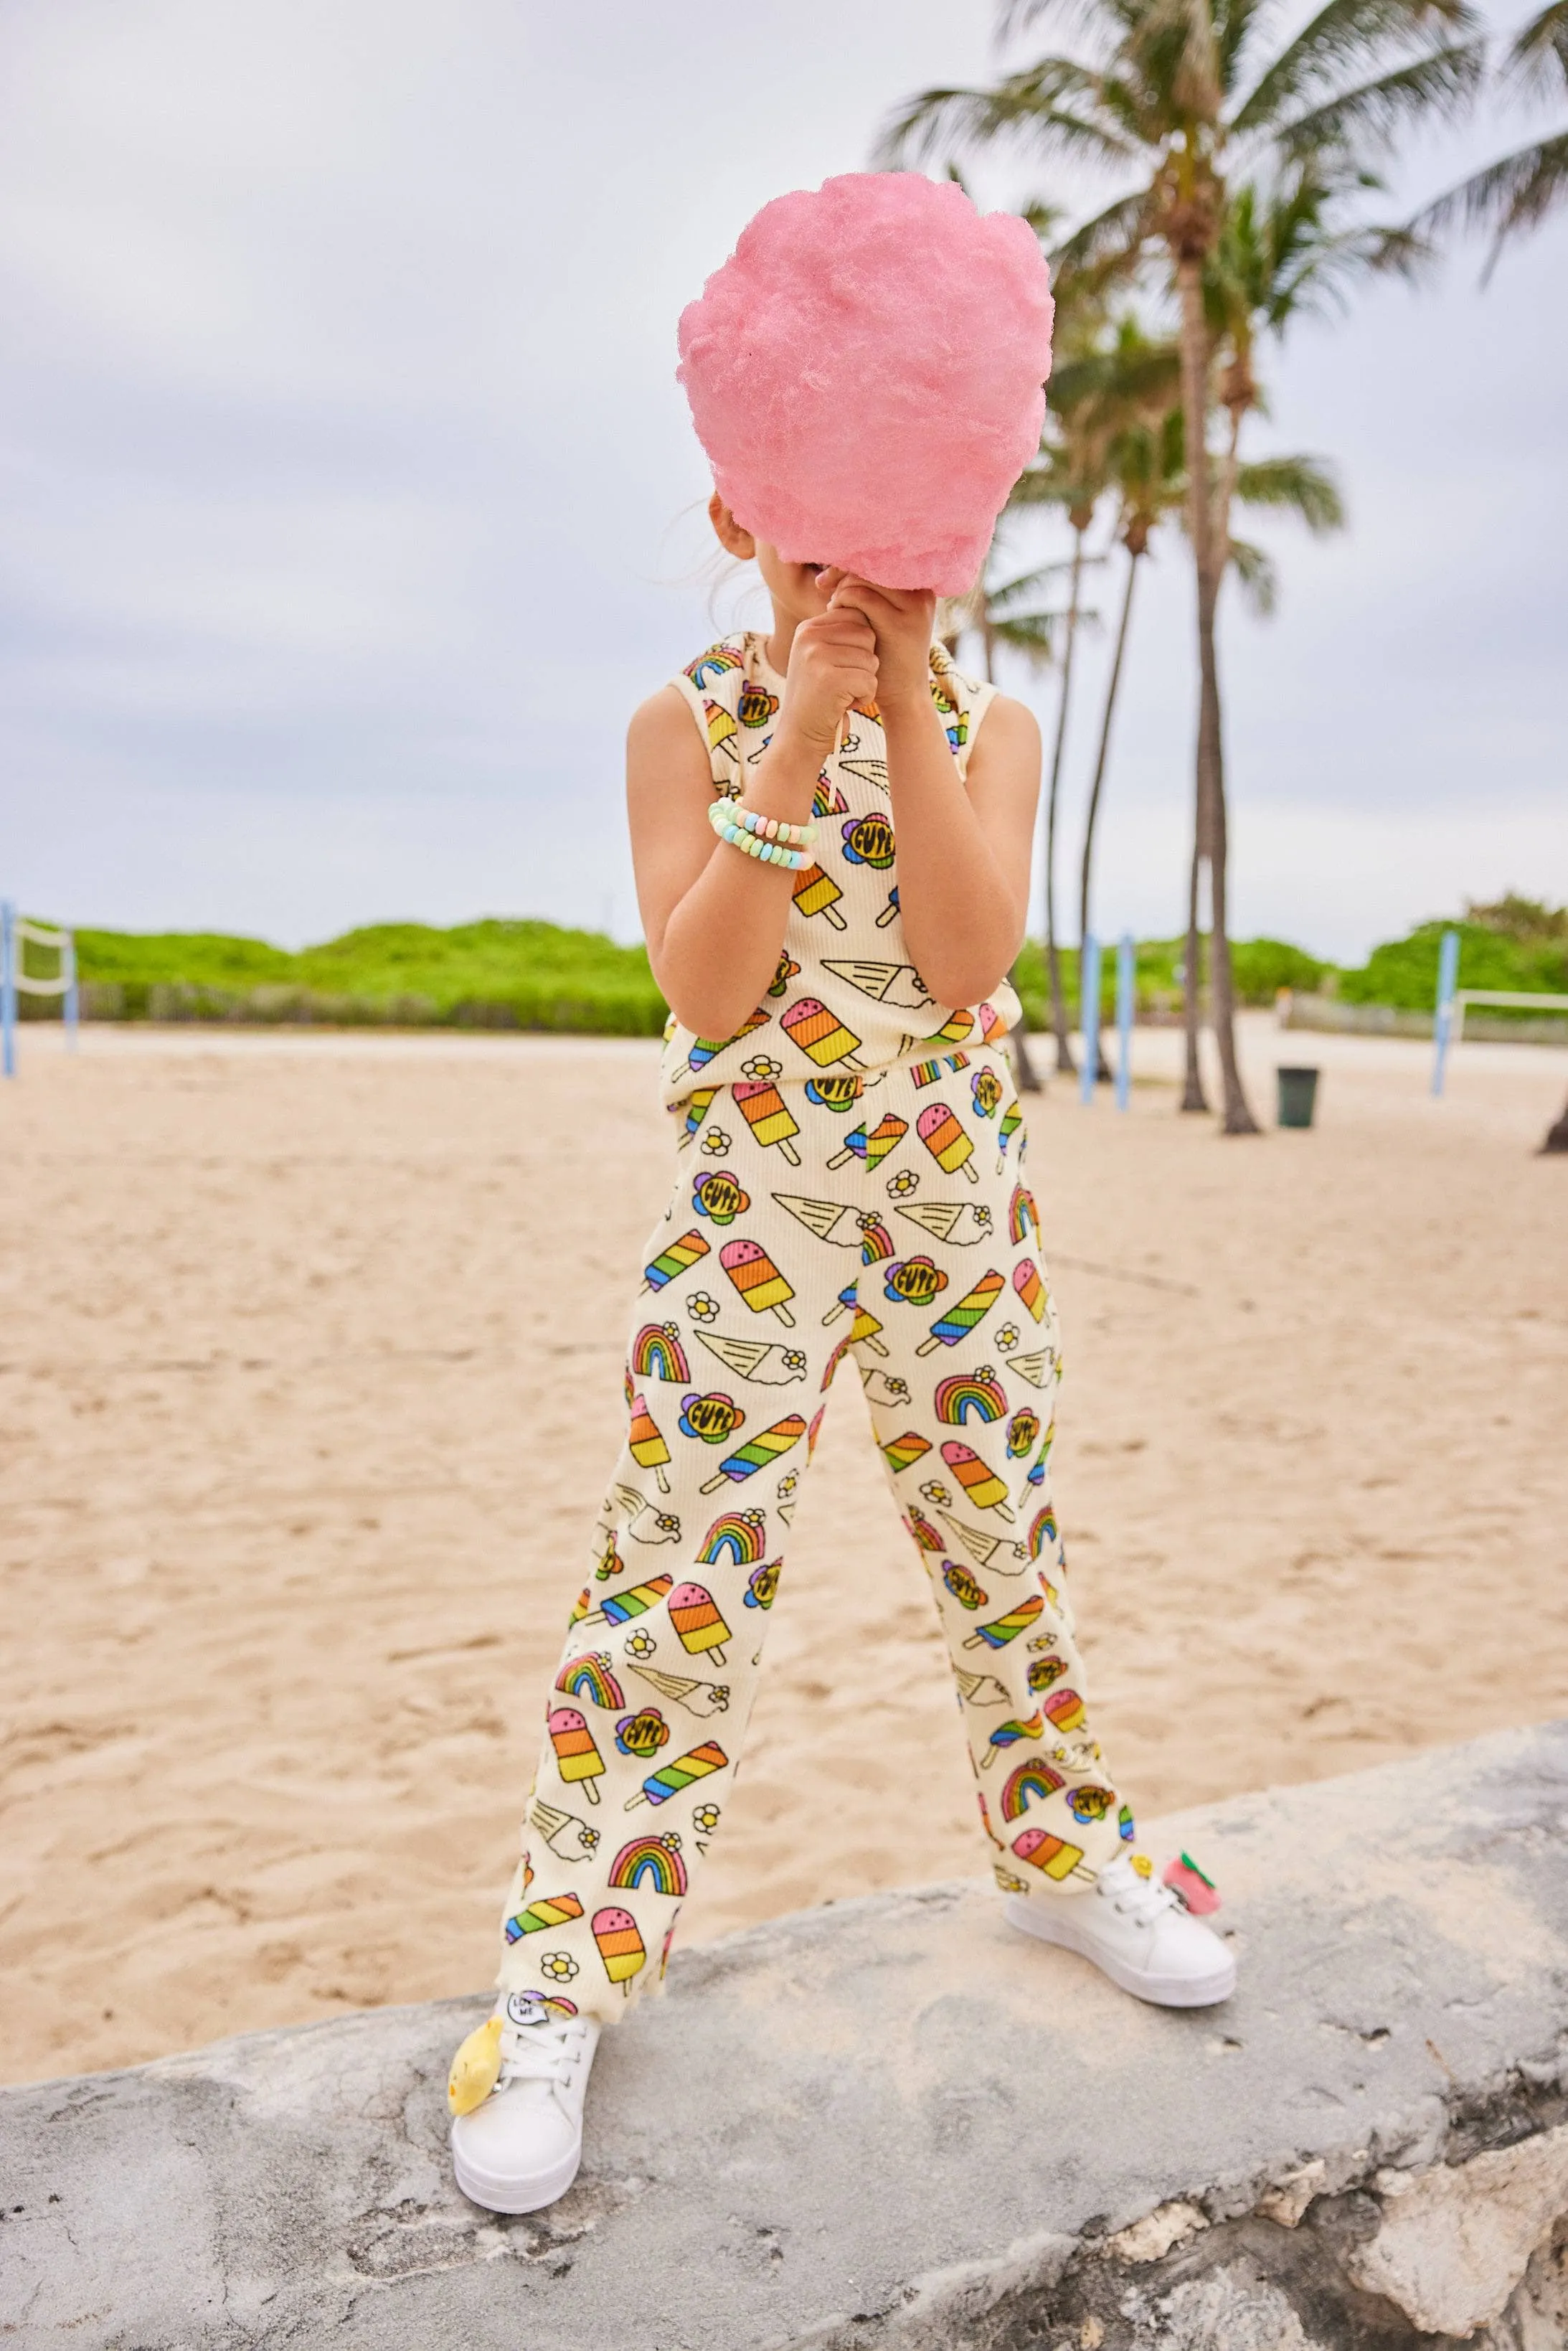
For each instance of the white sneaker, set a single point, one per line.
(1137, 1933)
(519, 2150)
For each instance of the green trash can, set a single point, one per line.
(1298, 1096)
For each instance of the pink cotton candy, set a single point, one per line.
(866, 374)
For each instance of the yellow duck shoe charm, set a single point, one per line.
(476, 2068)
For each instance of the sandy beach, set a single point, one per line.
(310, 1377)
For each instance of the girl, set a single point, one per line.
(831, 826)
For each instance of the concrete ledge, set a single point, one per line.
(894, 2123)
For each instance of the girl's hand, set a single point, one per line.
(901, 621)
(832, 662)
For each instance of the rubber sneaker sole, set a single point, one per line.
(1048, 1925)
(515, 2196)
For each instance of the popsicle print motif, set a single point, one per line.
(675, 1260)
(945, 1140)
(762, 1106)
(577, 1758)
(816, 892)
(957, 1322)
(694, 1614)
(756, 1279)
(820, 1034)
(758, 1452)
(1029, 1286)
(872, 1148)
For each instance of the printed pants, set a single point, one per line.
(884, 1219)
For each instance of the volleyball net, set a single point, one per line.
(17, 935)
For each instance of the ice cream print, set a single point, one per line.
(858, 1255)
(846, 999)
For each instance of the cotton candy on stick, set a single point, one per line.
(866, 374)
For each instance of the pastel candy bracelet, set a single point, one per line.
(767, 838)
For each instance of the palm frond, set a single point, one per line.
(1444, 84)
(1027, 583)
(1047, 108)
(1259, 581)
(1508, 199)
(1031, 636)
(1538, 58)
(1344, 35)
(1112, 239)
(1302, 487)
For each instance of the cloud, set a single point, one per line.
(348, 495)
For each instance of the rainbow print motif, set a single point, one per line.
(654, 1861)
(739, 1536)
(657, 1354)
(590, 1677)
(963, 1393)
(872, 1222)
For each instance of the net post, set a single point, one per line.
(1442, 1026)
(1089, 1012)
(7, 989)
(1125, 989)
(71, 1007)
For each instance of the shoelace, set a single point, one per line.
(1142, 1900)
(541, 2053)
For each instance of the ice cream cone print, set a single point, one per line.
(960, 1223)
(897, 985)
(826, 1218)
(767, 1362)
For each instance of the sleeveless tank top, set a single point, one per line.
(846, 999)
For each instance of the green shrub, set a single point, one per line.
(1404, 972)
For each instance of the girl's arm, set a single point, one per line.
(963, 848)
(713, 919)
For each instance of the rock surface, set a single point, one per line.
(894, 2123)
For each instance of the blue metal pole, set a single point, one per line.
(1089, 1003)
(7, 989)
(1125, 991)
(73, 1000)
(1447, 981)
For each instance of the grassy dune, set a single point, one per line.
(536, 975)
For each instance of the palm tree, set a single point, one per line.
(1515, 195)
(1169, 96)
(1145, 466)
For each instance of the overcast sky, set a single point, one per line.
(351, 505)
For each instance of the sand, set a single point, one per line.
(310, 1373)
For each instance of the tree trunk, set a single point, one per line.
(1192, 1095)
(1557, 1136)
(1238, 1118)
(1209, 796)
(1105, 1072)
(1065, 1064)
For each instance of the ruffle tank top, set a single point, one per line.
(846, 999)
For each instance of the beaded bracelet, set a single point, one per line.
(767, 838)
